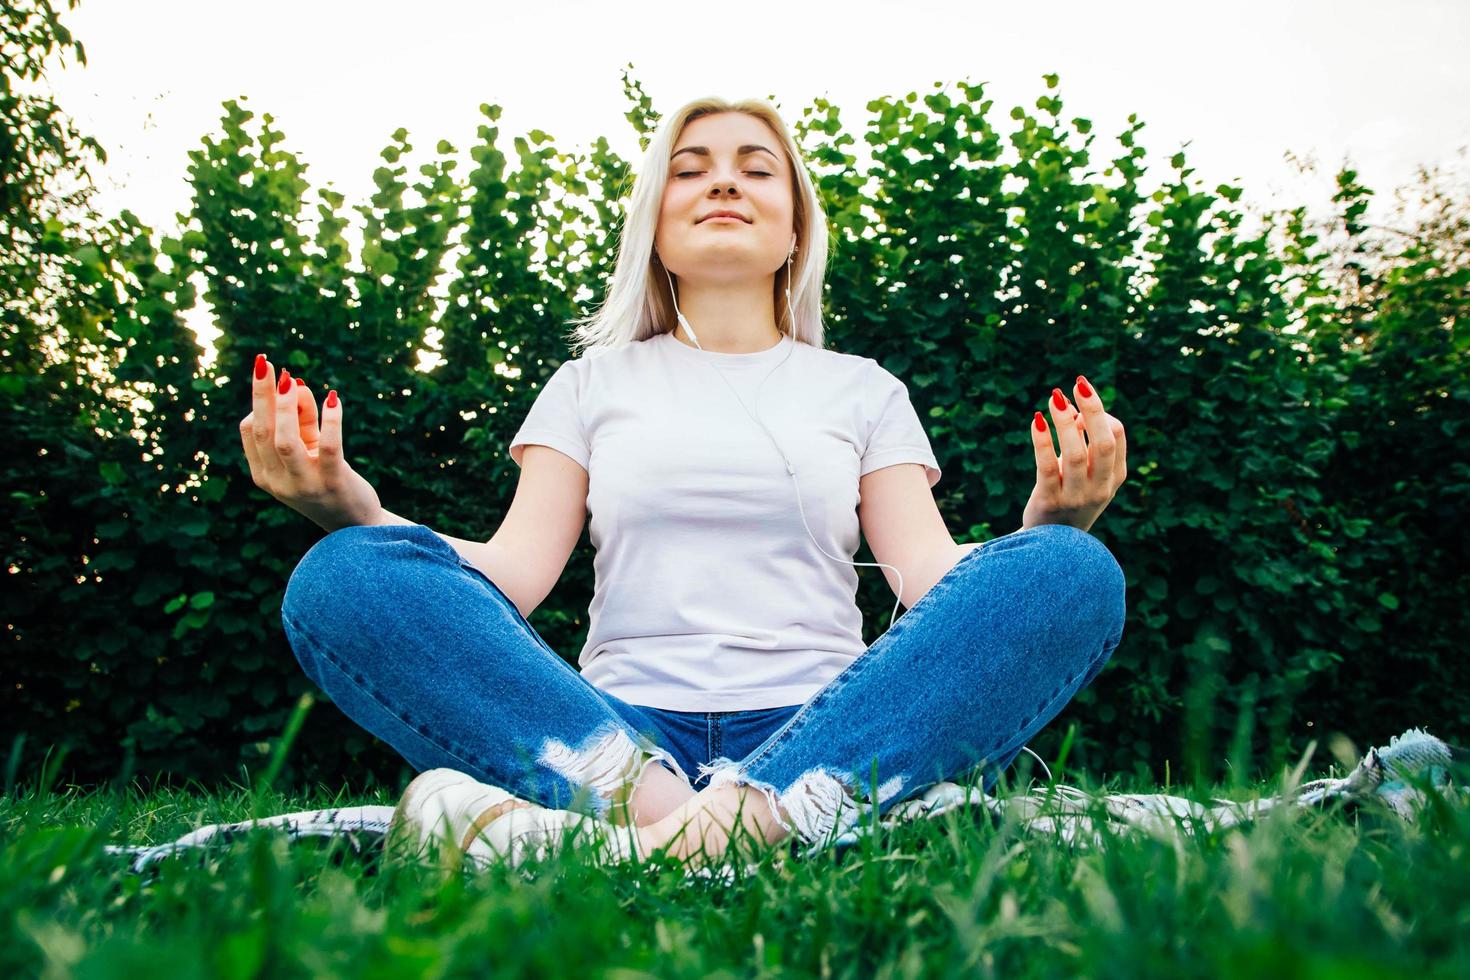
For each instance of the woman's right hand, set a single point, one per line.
(293, 462)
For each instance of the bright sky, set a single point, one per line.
(1383, 86)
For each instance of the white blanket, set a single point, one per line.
(1388, 774)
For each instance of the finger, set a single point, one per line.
(1081, 427)
(1048, 472)
(263, 416)
(1073, 449)
(306, 415)
(1102, 443)
(1086, 395)
(289, 448)
(329, 449)
(247, 439)
(1120, 452)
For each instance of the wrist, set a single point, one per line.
(337, 520)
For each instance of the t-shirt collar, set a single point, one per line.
(754, 359)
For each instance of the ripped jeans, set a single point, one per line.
(421, 649)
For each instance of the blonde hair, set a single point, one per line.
(638, 304)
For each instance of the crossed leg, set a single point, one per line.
(986, 635)
(657, 794)
(700, 829)
(1021, 657)
(669, 813)
(661, 803)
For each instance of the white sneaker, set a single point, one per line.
(444, 806)
(537, 832)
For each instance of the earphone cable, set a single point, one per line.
(789, 468)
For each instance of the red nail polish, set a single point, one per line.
(285, 382)
(332, 399)
(299, 382)
(1083, 388)
(1058, 399)
(1040, 423)
(259, 366)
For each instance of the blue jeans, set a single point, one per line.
(421, 649)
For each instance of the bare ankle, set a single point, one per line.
(657, 794)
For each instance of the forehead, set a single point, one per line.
(726, 128)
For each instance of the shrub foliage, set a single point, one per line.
(1293, 526)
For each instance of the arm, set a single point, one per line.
(920, 572)
(904, 529)
(528, 552)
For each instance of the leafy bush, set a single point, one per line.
(1292, 529)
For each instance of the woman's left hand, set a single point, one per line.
(1075, 488)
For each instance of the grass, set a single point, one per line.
(1339, 891)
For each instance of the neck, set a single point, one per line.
(730, 318)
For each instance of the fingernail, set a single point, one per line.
(1082, 387)
(285, 382)
(1040, 423)
(332, 399)
(300, 382)
(259, 366)
(1058, 399)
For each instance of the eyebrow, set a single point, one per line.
(745, 150)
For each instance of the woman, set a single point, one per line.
(723, 635)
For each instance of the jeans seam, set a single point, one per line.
(476, 573)
(792, 726)
(987, 758)
(450, 552)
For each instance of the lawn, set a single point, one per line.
(1339, 890)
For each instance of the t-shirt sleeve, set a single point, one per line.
(555, 418)
(895, 434)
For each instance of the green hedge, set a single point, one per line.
(1292, 528)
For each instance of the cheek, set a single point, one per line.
(679, 191)
(666, 229)
(674, 205)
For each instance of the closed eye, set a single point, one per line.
(753, 173)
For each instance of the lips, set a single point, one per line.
(724, 214)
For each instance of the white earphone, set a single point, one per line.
(789, 468)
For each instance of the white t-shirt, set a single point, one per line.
(709, 595)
